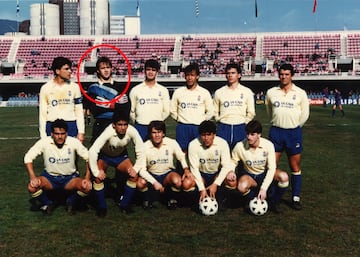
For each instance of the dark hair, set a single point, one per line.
(207, 126)
(287, 66)
(158, 125)
(103, 59)
(120, 114)
(233, 65)
(152, 64)
(253, 126)
(59, 123)
(58, 62)
(192, 66)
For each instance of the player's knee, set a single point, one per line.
(243, 187)
(188, 184)
(283, 177)
(141, 184)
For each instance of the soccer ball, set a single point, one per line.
(258, 207)
(208, 206)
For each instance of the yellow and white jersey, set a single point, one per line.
(210, 160)
(234, 105)
(57, 161)
(287, 110)
(60, 102)
(191, 106)
(110, 144)
(257, 160)
(161, 160)
(149, 103)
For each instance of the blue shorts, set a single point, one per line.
(161, 178)
(72, 128)
(289, 140)
(143, 131)
(113, 161)
(59, 182)
(209, 178)
(185, 133)
(259, 178)
(231, 133)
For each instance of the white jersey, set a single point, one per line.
(234, 105)
(149, 103)
(161, 160)
(257, 161)
(110, 144)
(58, 161)
(60, 102)
(210, 160)
(191, 106)
(287, 110)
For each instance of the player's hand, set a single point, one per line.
(35, 182)
(102, 175)
(262, 194)
(231, 176)
(86, 185)
(132, 172)
(81, 137)
(159, 187)
(212, 190)
(187, 174)
(203, 194)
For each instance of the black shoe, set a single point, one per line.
(101, 213)
(172, 204)
(126, 209)
(296, 205)
(147, 205)
(48, 209)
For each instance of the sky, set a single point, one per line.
(224, 16)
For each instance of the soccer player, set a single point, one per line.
(160, 170)
(60, 98)
(234, 106)
(190, 106)
(210, 162)
(149, 100)
(110, 149)
(59, 152)
(337, 103)
(258, 167)
(105, 91)
(288, 108)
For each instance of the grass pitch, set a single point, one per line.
(328, 225)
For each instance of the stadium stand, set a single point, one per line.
(309, 52)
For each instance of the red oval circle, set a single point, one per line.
(79, 81)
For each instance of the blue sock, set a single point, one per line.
(42, 197)
(129, 191)
(99, 190)
(296, 182)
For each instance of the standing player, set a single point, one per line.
(234, 107)
(59, 152)
(104, 92)
(288, 107)
(210, 162)
(149, 100)
(190, 106)
(337, 103)
(61, 99)
(160, 170)
(110, 149)
(258, 162)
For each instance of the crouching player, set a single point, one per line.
(110, 149)
(257, 156)
(160, 170)
(59, 152)
(210, 162)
